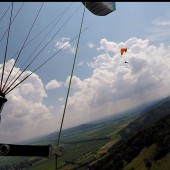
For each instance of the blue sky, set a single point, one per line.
(102, 83)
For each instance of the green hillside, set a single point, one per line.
(146, 118)
(128, 143)
(146, 155)
(125, 151)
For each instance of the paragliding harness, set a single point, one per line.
(31, 150)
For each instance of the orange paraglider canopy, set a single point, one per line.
(122, 50)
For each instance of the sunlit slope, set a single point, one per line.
(145, 155)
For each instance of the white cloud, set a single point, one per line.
(75, 82)
(64, 43)
(90, 45)
(24, 115)
(161, 22)
(160, 29)
(107, 46)
(115, 86)
(53, 84)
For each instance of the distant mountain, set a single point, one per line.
(79, 128)
(132, 112)
(121, 115)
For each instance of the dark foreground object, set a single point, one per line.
(30, 150)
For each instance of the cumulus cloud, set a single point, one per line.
(75, 82)
(115, 86)
(24, 115)
(64, 43)
(107, 45)
(53, 84)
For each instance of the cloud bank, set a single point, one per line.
(114, 86)
(24, 115)
(53, 84)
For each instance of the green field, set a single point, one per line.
(82, 147)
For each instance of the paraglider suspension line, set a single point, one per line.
(6, 49)
(5, 12)
(70, 83)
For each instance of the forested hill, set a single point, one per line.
(146, 118)
(124, 151)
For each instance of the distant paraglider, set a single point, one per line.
(122, 51)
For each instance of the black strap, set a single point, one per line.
(24, 150)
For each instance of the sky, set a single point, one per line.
(102, 83)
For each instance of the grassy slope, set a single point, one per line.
(138, 162)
